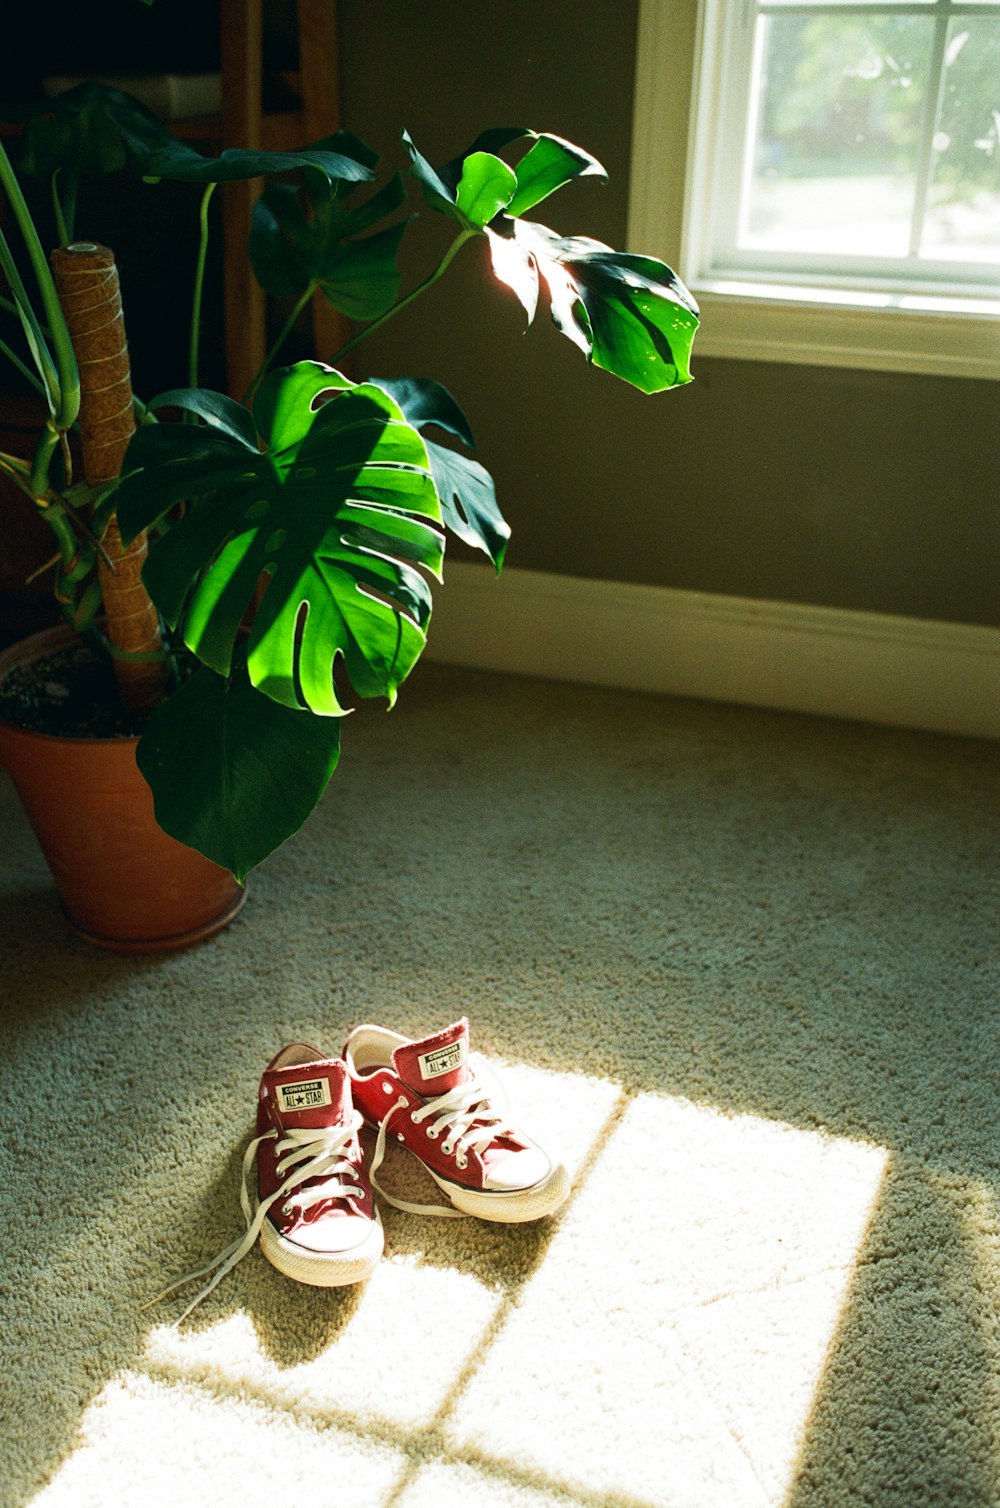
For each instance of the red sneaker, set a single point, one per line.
(426, 1094)
(315, 1216)
(326, 1230)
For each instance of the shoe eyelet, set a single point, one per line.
(399, 1136)
(432, 1134)
(386, 1087)
(447, 1148)
(462, 1161)
(286, 1209)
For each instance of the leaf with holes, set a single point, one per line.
(468, 496)
(630, 315)
(329, 519)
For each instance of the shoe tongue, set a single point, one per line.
(310, 1095)
(436, 1064)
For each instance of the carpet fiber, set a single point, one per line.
(742, 967)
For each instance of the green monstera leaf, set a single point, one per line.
(549, 163)
(233, 773)
(478, 185)
(88, 131)
(309, 236)
(337, 157)
(92, 130)
(323, 506)
(468, 496)
(630, 315)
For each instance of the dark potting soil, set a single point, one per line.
(70, 694)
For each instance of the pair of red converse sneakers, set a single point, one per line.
(316, 1217)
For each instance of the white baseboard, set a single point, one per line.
(906, 672)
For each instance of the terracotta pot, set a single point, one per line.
(123, 882)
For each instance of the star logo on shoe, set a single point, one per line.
(303, 1096)
(442, 1060)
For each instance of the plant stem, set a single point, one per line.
(76, 562)
(62, 231)
(33, 332)
(199, 284)
(17, 471)
(64, 203)
(400, 304)
(41, 461)
(276, 347)
(65, 380)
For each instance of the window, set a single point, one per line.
(841, 201)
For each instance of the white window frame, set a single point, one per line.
(678, 61)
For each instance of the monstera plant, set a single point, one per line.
(292, 531)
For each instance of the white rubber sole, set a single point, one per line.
(323, 1269)
(509, 1206)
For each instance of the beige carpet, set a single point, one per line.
(742, 966)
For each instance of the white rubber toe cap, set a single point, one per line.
(518, 1170)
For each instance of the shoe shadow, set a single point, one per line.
(294, 1322)
(496, 1255)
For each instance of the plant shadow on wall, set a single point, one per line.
(249, 563)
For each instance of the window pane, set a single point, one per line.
(963, 218)
(838, 114)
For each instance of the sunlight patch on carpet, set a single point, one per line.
(663, 1346)
(409, 1308)
(670, 1345)
(407, 1311)
(170, 1444)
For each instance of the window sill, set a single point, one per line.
(833, 328)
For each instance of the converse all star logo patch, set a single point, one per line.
(305, 1095)
(442, 1060)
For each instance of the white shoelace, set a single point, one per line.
(470, 1121)
(311, 1153)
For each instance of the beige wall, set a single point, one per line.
(843, 488)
